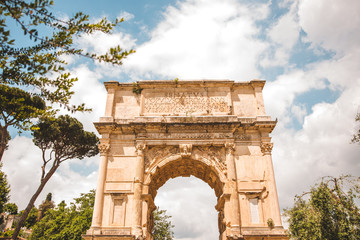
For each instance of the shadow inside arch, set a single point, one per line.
(179, 166)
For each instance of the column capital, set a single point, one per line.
(103, 148)
(266, 148)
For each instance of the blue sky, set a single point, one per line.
(308, 51)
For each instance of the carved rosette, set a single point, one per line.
(266, 148)
(104, 148)
(230, 148)
(185, 150)
(140, 148)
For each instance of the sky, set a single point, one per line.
(308, 51)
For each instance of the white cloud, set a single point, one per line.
(100, 42)
(219, 39)
(321, 148)
(22, 164)
(202, 39)
(299, 111)
(188, 196)
(126, 15)
(90, 91)
(283, 36)
(331, 24)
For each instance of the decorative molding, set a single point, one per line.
(266, 148)
(184, 135)
(185, 150)
(242, 137)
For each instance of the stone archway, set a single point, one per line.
(170, 163)
(216, 130)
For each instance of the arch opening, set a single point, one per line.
(190, 203)
(180, 166)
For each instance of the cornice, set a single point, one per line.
(153, 84)
(179, 124)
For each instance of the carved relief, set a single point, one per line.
(216, 154)
(242, 137)
(266, 148)
(140, 149)
(155, 153)
(185, 150)
(185, 102)
(230, 148)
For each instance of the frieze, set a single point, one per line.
(185, 102)
(242, 137)
(185, 135)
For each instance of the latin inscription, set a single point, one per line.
(185, 103)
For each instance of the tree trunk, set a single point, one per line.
(32, 201)
(3, 141)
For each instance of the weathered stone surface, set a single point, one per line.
(215, 130)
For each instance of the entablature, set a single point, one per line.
(165, 125)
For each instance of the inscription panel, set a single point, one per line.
(185, 103)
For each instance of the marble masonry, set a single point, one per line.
(215, 130)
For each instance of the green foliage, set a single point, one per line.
(66, 222)
(45, 206)
(17, 108)
(4, 191)
(270, 223)
(36, 62)
(65, 138)
(8, 233)
(31, 218)
(59, 139)
(162, 226)
(11, 208)
(356, 137)
(136, 88)
(329, 213)
(48, 38)
(49, 197)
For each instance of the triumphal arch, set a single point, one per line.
(215, 130)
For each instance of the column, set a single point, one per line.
(99, 197)
(231, 206)
(266, 148)
(137, 201)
